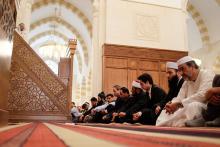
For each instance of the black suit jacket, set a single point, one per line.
(173, 92)
(148, 112)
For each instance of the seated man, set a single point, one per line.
(148, 115)
(134, 104)
(191, 99)
(124, 96)
(101, 98)
(75, 113)
(175, 82)
(119, 101)
(98, 112)
(210, 116)
(94, 103)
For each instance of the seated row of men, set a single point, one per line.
(190, 103)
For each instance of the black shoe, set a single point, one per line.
(214, 123)
(199, 122)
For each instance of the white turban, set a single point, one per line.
(184, 60)
(136, 84)
(172, 65)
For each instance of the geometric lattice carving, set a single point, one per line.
(25, 95)
(34, 88)
(7, 19)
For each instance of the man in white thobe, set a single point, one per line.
(191, 99)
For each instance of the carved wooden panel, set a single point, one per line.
(148, 65)
(116, 62)
(162, 66)
(114, 76)
(34, 88)
(64, 69)
(8, 15)
(132, 63)
(132, 75)
(142, 53)
(123, 64)
(163, 80)
(25, 95)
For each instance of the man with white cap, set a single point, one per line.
(191, 99)
(175, 82)
(135, 103)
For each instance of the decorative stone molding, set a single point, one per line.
(68, 5)
(56, 33)
(95, 4)
(147, 27)
(200, 24)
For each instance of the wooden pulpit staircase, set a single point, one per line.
(36, 93)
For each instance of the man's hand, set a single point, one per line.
(215, 100)
(172, 107)
(209, 93)
(215, 91)
(114, 114)
(93, 112)
(157, 110)
(81, 118)
(136, 116)
(104, 111)
(122, 114)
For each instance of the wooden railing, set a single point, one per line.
(36, 93)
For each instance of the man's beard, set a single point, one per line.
(187, 77)
(173, 81)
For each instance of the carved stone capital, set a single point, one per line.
(95, 4)
(72, 46)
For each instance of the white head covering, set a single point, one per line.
(136, 84)
(184, 60)
(172, 65)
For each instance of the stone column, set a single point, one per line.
(185, 16)
(99, 14)
(72, 48)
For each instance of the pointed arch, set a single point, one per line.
(69, 27)
(204, 33)
(68, 5)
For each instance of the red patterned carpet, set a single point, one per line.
(94, 135)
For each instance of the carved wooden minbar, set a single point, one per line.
(35, 93)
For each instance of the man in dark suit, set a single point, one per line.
(147, 114)
(134, 104)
